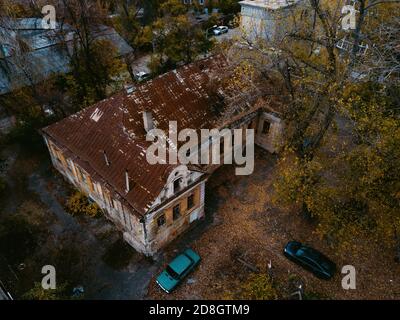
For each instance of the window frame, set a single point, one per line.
(178, 188)
(161, 217)
(193, 202)
(176, 215)
(265, 124)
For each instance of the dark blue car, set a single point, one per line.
(310, 259)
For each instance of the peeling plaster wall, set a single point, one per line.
(159, 236)
(145, 235)
(272, 140)
(114, 210)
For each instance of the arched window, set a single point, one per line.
(177, 185)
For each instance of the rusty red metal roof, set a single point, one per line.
(115, 126)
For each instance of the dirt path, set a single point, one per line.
(246, 224)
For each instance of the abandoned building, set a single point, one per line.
(101, 150)
(265, 19)
(30, 53)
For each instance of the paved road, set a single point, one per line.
(231, 34)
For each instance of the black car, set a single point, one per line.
(310, 259)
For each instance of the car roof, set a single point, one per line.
(311, 253)
(180, 263)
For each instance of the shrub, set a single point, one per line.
(259, 286)
(78, 204)
(38, 293)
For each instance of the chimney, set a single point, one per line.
(106, 158)
(148, 121)
(127, 184)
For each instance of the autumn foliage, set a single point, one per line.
(78, 204)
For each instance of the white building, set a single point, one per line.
(264, 19)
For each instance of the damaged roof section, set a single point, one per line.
(196, 96)
(115, 126)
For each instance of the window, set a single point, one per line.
(266, 127)
(78, 173)
(84, 178)
(69, 165)
(177, 185)
(161, 220)
(172, 273)
(176, 212)
(190, 201)
(57, 154)
(58, 158)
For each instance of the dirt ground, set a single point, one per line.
(85, 251)
(244, 223)
(240, 222)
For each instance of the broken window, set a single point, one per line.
(190, 201)
(176, 212)
(266, 127)
(161, 220)
(177, 185)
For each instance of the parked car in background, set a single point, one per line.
(142, 76)
(220, 30)
(310, 259)
(210, 31)
(177, 270)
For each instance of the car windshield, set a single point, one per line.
(301, 253)
(172, 273)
